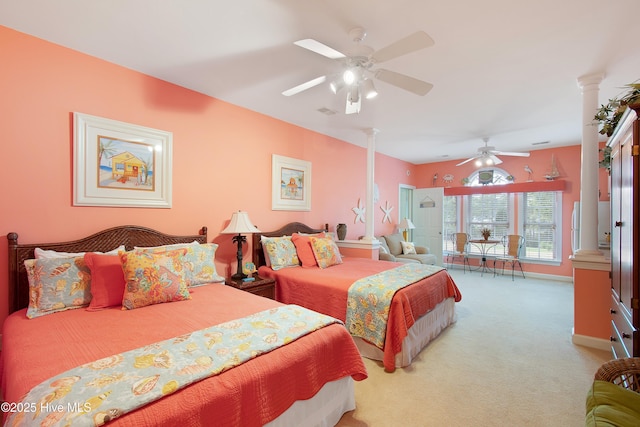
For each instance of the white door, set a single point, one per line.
(427, 217)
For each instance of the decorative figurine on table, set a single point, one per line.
(249, 268)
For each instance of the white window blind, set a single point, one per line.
(540, 225)
(488, 211)
(449, 221)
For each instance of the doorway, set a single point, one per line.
(405, 205)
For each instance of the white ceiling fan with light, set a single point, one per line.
(487, 155)
(359, 68)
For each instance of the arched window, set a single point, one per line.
(489, 176)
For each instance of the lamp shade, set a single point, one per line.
(406, 224)
(240, 224)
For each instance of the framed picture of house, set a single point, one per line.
(291, 184)
(120, 164)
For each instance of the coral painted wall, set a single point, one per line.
(221, 155)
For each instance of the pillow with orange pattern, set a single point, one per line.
(153, 277)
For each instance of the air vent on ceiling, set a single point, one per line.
(540, 143)
(326, 111)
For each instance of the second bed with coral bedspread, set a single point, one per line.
(417, 313)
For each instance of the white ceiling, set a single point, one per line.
(503, 69)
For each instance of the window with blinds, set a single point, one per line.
(540, 225)
(538, 218)
(488, 211)
(449, 221)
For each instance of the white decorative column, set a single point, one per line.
(589, 171)
(371, 158)
(591, 281)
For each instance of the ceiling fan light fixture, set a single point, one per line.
(336, 85)
(349, 76)
(369, 89)
(353, 101)
(354, 95)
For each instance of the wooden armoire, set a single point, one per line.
(625, 190)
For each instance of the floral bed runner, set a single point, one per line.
(369, 299)
(94, 393)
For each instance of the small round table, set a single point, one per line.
(484, 246)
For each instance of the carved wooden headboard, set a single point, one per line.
(103, 241)
(286, 230)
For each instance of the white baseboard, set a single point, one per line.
(586, 341)
(554, 277)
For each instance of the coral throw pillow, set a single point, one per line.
(304, 249)
(107, 280)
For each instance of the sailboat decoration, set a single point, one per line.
(553, 173)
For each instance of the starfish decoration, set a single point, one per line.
(359, 211)
(387, 212)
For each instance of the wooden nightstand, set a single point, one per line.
(262, 286)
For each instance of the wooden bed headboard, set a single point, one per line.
(103, 241)
(287, 230)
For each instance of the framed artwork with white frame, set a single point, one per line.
(120, 164)
(290, 184)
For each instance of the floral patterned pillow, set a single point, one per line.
(326, 251)
(408, 248)
(199, 261)
(304, 250)
(57, 284)
(201, 264)
(281, 251)
(153, 278)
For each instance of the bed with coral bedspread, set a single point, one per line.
(417, 313)
(316, 369)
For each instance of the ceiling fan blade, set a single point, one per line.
(511, 153)
(320, 48)
(411, 43)
(305, 86)
(467, 161)
(402, 81)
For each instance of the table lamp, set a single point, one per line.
(240, 224)
(406, 225)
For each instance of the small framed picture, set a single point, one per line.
(290, 184)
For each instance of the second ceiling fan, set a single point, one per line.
(487, 155)
(358, 68)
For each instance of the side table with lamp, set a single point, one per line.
(245, 278)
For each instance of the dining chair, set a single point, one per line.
(513, 244)
(460, 250)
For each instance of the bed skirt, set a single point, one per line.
(419, 335)
(324, 409)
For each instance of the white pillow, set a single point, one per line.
(168, 247)
(408, 248)
(48, 254)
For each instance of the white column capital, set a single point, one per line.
(372, 131)
(590, 80)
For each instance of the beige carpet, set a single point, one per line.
(508, 361)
